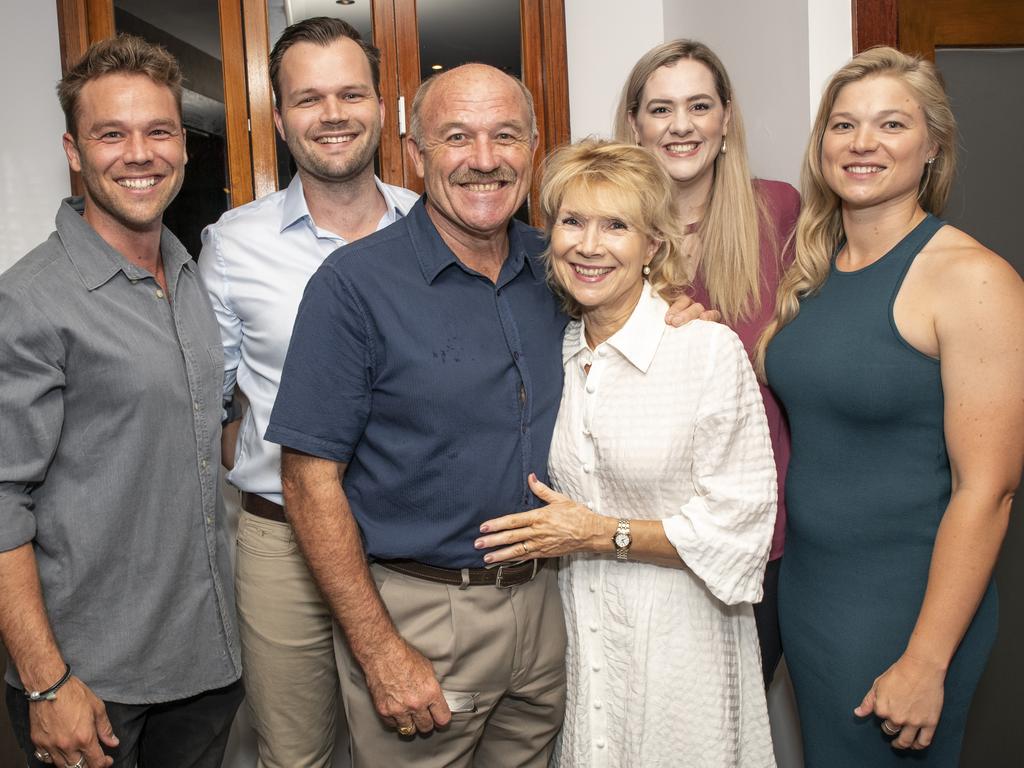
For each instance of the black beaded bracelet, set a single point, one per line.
(50, 693)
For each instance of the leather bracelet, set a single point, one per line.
(50, 693)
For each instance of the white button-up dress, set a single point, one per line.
(663, 663)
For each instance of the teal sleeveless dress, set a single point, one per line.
(868, 483)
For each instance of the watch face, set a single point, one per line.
(622, 540)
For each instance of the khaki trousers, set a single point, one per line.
(287, 634)
(505, 645)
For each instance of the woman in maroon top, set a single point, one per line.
(678, 103)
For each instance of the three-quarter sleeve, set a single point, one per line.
(723, 533)
(323, 402)
(32, 400)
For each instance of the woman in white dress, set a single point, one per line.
(665, 498)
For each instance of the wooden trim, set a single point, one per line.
(874, 23)
(261, 102)
(392, 160)
(545, 72)
(407, 42)
(236, 106)
(101, 19)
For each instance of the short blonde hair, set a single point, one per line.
(642, 191)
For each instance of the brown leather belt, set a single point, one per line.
(268, 510)
(502, 576)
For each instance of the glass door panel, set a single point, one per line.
(189, 29)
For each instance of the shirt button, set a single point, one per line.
(600, 351)
(598, 704)
(195, 405)
(209, 520)
(159, 293)
(587, 468)
(204, 463)
(586, 431)
(133, 280)
(591, 388)
(599, 743)
(594, 627)
(596, 667)
(593, 587)
(515, 355)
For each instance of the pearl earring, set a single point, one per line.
(647, 269)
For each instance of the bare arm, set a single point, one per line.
(980, 332)
(401, 681)
(74, 722)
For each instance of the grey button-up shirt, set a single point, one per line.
(109, 451)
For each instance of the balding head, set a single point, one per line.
(438, 85)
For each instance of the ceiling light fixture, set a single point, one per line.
(345, 2)
(436, 66)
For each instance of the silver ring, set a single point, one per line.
(43, 756)
(891, 729)
(79, 764)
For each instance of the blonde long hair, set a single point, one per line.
(819, 229)
(641, 190)
(729, 261)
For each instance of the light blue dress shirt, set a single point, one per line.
(256, 261)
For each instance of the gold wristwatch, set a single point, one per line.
(622, 540)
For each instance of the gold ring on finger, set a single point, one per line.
(526, 548)
(406, 730)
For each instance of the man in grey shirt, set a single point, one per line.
(116, 605)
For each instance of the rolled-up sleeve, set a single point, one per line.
(323, 403)
(214, 274)
(723, 533)
(32, 403)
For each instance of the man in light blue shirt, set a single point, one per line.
(256, 261)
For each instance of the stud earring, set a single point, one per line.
(647, 269)
(931, 160)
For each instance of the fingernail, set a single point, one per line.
(488, 558)
(485, 528)
(478, 544)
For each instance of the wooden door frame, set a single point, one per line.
(919, 26)
(248, 100)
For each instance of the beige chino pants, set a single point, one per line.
(287, 634)
(505, 645)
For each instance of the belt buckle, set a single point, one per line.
(499, 581)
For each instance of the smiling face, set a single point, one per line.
(681, 119)
(475, 152)
(130, 151)
(329, 115)
(876, 144)
(596, 257)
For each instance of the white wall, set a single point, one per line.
(604, 38)
(33, 169)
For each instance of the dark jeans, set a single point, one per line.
(188, 733)
(766, 615)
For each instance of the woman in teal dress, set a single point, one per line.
(898, 353)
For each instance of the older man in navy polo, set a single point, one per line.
(425, 372)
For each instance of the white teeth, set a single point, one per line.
(864, 168)
(334, 139)
(591, 271)
(687, 147)
(489, 187)
(137, 183)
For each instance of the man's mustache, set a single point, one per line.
(469, 176)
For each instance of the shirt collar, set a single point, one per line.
(295, 208)
(637, 340)
(96, 261)
(435, 256)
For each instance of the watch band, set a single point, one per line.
(623, 540)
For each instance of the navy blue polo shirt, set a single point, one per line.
(437, 387)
